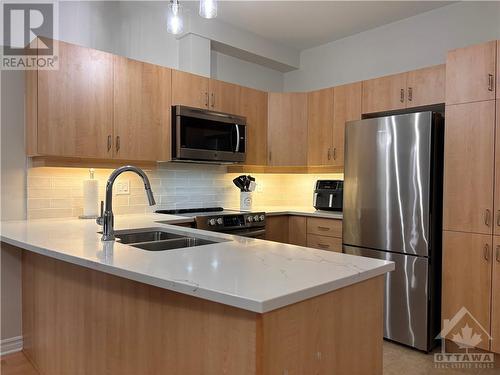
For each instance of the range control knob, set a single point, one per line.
(211, 222)
(219, 221)
(262, 217)
(256, 218)
(249, 219)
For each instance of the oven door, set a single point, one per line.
(249, 232)
(209, 136)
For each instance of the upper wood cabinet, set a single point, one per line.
(224, 97)
(467, 277)
(189, 89)
(141, 110)
(426, 86)
(495, 297)
(320, 126)
(253, 105)
(469, 167)
(346, 107)
(470, 73)
(70, 110)
(287, 129)
(497, 78)
(384, 94)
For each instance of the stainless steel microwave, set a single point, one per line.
(207, 136)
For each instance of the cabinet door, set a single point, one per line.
(496, 224)
(75, 104)
(253, 105)
(277, 228)
(141, 110)
(495, 297)
(346, 107)
(297, 230)
(189, 89)
(497, 78)
(384, 94)
(469, 166)
(469, 73)
(224, 97)
(287, 129)
(319, 127)
(426, 86)
(467, 261)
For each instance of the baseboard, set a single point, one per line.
(11, 345)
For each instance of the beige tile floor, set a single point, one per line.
(399, 360)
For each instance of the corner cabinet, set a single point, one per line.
(99, 106)
(70, 110)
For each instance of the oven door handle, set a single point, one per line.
(237, 149)
(254, 233)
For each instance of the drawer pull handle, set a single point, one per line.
(335, 153)
(117, 143)
(497, 257)
(491, 82)
(323, 228)
(110, 142)
(498, 218)
(329, 154)
(410, 94)
(323, 245)
(402, 98)
(487, 252)
(487, 217)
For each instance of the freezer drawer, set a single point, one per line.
(406, 312)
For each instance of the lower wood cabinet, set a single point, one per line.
(277, 228)
(467, 265)
(297, 230)
(495, 297)
(324, 242)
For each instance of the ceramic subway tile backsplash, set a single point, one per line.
(58, 192)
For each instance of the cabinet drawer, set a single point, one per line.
(324, 243)
(324, 227)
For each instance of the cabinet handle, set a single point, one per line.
(270, 156)
(323, 228)
(117, 143)
(324, 246)
(498, 218)
(487, 252)
(402, 96)
(329, 153)
(206, 99)
(335, 153)
(110, 142)
(497, 257)
(213, 100)
(410, 94)
(491, 82)
(487, 217)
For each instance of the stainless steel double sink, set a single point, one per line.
(159, 239)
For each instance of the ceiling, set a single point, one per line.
(306, 24)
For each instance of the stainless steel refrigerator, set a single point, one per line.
(392, 210)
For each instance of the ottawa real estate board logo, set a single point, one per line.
(29, 35)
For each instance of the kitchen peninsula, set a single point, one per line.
(236, 306)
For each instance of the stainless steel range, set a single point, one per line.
(246, 224)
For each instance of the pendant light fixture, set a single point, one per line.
(208, 8)
(175, 23)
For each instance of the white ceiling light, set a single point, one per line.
(175, 23)
(208, 8)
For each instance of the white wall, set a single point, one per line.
(404, 45)
(231, 69)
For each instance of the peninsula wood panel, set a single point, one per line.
(384, 94)
(469, 167)
(320, 126)
(75, 104)
(467, 276)
(89, 322)
(297, 234)
(287, 129)
(495, 297)
(426, 86)
(346, 107)
(324, 242)
(224, 97)
(189, 89)
(468, 72)
(141, 110)
(253, 105)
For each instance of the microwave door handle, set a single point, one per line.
(237, 149)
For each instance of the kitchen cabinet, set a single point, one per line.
(287, 129)
(384, 94)
(141, 110)
(253, 105)
(496, 223)
(277, 228)
(69, 111)
(224, 97)
(469, 168)
(346, 107)
(189, 89)
(495, 297)
(426, 86)
(324, 227)
(297, 230)
(467, 276)
(324, 243)
(497, 78)
(470, 73)
(320, 126)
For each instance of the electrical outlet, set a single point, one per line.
(259, 188)
(122, 187)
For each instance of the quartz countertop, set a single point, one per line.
(298, 211)
(246, 273)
